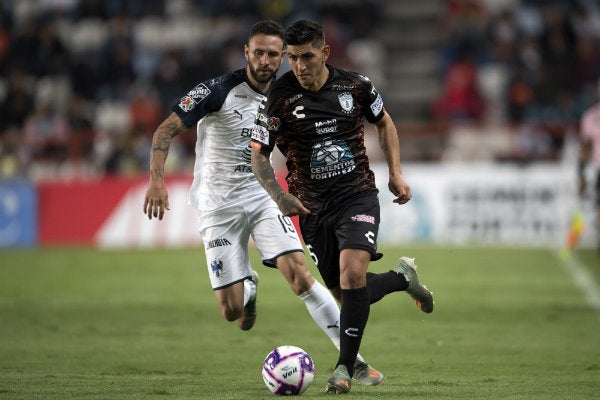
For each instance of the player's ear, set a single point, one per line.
(247, 52)
(283, 55)
(325, 52)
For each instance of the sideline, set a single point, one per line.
(583, 279)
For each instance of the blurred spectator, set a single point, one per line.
(462, 26)
(45, 135)
(460, 100)
(79, 119)
(118, 72)
(17, 104)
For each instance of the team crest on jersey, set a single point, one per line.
(346, 101)
(216, 267)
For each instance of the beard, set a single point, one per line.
(261, 78)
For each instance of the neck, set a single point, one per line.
(318, 84)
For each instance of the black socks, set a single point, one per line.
(353, 319)
(379, 285)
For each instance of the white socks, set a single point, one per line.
(249, 291)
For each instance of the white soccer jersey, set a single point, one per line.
(231, 204)
(224, 109)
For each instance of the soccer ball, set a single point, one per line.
(288, 370)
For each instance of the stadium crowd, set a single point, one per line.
(84, 83)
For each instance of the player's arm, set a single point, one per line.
(156, 200)
(388, 141)
(287, 203)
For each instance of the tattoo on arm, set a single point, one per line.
(263, 170)
(161, 141)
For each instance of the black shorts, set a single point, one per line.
(353, 226)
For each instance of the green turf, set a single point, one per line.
(90, 324)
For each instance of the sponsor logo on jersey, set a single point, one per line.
(216, 267)
(199, 93)
(377, 105)
(293, 99)
(343, 87)
(346, 101)
(327, 126)
(364, 218)
(331, 158)
(260, 134)
(218, 243)
(243, 168)
(239, 114)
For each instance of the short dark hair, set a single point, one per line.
(303, 32)
(267, 27)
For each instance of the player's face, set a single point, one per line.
(308, 64)
(264, 54)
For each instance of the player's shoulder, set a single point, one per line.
(285, 82)
(226, 82)
(352, 76)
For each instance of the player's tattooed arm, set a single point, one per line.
(161, 141)
(263, 170)
(156, 200)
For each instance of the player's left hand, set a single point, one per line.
(400, 189)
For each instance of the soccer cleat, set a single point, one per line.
(339, 383)
(366, 375)
(422, 297)
(248, 318)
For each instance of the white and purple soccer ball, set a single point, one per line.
(288, 370)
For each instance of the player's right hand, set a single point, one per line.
(156, 200)
(290, 205)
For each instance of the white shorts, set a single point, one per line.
(226, 233)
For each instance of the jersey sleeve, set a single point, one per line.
(268, 123)
(205, 98)
(372, 101)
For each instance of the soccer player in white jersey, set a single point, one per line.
(231, 204)
(590, 151)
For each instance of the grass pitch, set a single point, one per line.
(91, 324)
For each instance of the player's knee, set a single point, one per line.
(294, 269)
(352, 279)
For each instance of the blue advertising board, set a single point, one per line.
(18, 214)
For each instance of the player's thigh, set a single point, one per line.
(225, 236)
(358, 225)
(274, 235)
(322, 245)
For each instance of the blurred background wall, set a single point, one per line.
(486, 95)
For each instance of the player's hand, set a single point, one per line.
(290, 205)
(156, 200)
(400, 189)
